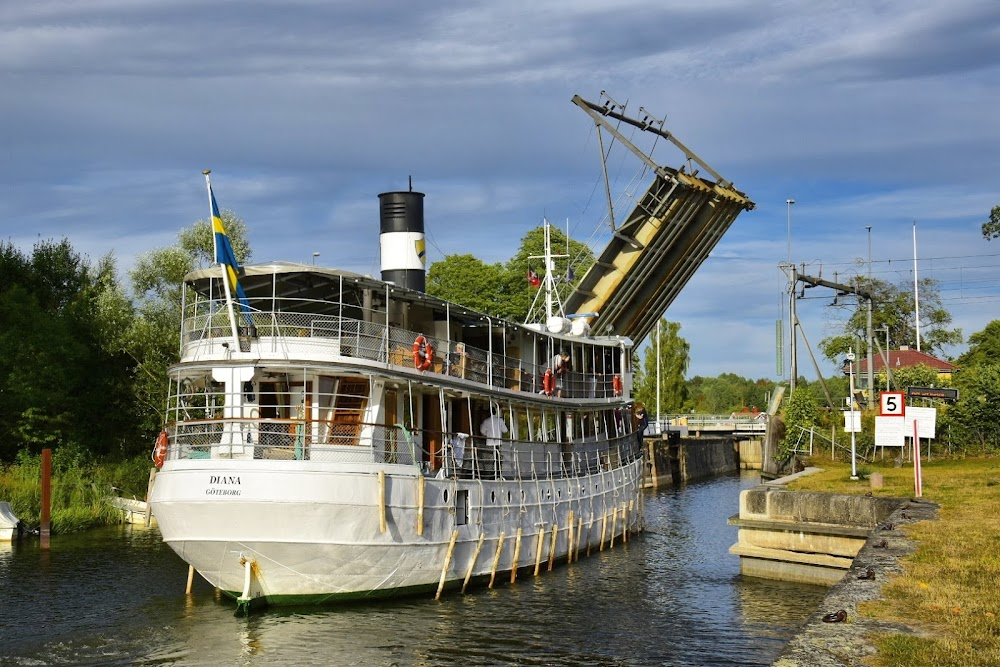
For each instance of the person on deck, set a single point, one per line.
(493, 428)
(559, 365)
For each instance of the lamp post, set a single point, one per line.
(885, 327)
(850, 405)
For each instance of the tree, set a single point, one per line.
(984, 346)
(63, 380)
(975, 418)
(673, 363)
(502, 290)
(801, 412)
(920, 375)
(157, 282)
(893, 307)
(466, 280)
(991, 228)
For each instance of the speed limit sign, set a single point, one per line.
(892, 404)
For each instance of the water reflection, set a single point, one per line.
(673, 596)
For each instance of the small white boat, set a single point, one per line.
(9, 523)
(133, 511)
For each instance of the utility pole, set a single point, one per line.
(869, 332)
(793, 361)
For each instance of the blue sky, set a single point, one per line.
(876, 114)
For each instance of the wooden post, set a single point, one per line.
(579, 531)
(626, 513)
(517, 555)
(552, 546)
(187, 591)
(538, 549)
(472, 563)
(570, 524)
(420, 504)
(381, 503)
(614, 522)
(46, 528)
(590, 527)
(604, 525)
(447, 559)
(654, 482)
(149, 490)
(496, 557)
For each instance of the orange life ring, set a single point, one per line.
(548, 383)
(160, 449)
(423, 352)
(616, 384)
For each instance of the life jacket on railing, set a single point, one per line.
(616, 384)
(548, 382)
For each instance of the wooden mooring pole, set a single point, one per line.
(45, 528)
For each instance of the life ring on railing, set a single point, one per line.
(423, 352)
(160, 449)
(548, 383)
(616, 384)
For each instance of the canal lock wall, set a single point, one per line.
(672, 460)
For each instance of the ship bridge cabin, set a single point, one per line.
(331, 365)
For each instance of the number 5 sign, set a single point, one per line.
(892, 404)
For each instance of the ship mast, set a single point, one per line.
(553, 304)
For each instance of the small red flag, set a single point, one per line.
(533, 278)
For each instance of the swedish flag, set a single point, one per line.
(225, 257)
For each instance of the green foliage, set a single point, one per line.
(79, 488)
(984, 346)
(727, 393)
(991, 228)
(673, 364)
(801, 412)
(502, 290)
(153, 336)
(466, 280)
(63, 378)
(893, 307)
(975, 419)
(920, 375)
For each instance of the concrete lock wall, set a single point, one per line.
(672, 460)
(804, 536)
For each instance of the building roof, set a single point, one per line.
(904, 358)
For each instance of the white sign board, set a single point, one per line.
(852, 421)
(890, 431)
(926, 421)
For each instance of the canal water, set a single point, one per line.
(672, 596)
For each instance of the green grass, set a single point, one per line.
(948, 591)
(79, 489)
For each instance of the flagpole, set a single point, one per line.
(225, 271)
(916, 297)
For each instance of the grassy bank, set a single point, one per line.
(950, 586)
(79, 489)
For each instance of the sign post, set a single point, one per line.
(917, 475)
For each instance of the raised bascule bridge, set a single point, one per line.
(656, 249)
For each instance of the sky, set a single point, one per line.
(877, 115)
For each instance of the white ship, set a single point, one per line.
(336, 436)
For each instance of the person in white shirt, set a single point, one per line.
(493, 428)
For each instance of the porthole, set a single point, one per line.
(446, 495)
(493, 497)
(508, 497)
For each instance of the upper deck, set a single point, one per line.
(307, 314)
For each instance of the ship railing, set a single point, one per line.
(455, 456)
(377, 342)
